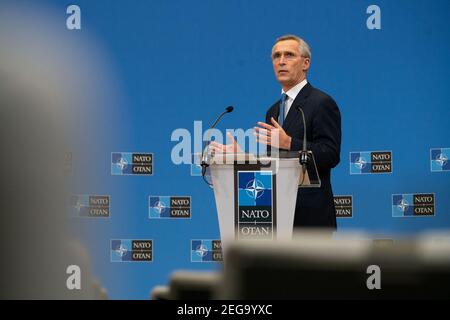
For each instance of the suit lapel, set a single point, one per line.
(294, 115)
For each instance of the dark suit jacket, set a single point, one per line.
(315, 206)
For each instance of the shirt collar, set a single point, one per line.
(293, 92)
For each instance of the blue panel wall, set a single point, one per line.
(176, 62)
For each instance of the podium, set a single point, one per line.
(256, 197)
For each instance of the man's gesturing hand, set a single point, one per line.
(232, 147)
(274, 135)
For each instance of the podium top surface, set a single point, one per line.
(229, 159)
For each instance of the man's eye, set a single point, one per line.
(276, 56)
(289, 54)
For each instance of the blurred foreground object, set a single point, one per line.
(317, 266)
(188, 285)
(39, 98)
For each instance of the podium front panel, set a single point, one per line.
(256, 201)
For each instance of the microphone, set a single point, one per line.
(304, 153)
(205, 158)
(229, 109)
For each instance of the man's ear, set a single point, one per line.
(306, 62)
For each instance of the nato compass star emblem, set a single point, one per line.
(441, 159)
(255, 189)
(201, 250)
(160, 207)
(360, 163)
(122, 163)
(121, 250)
(403, 205)
(78, 205)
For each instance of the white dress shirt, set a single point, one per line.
(292, 94)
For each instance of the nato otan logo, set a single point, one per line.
(370, 162)
(128, 163)
(440, 159)
(206, 250)
(127, 250)
(90, 206)
(413, 205)
(255, 216)
(161, 207)
(343, 206)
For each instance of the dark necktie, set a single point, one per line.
(282, 109)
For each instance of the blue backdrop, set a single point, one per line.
(179, 61)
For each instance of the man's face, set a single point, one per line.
(289, 66)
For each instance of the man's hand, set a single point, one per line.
(232, 147)
(274, 135)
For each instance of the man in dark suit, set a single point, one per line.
(291, 60)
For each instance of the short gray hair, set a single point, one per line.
(305, 50)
